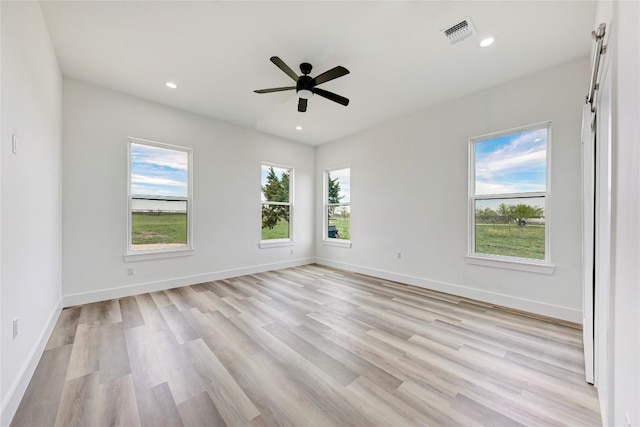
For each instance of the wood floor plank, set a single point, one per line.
(118, 404)
(131, 316)
(352, 361)
(180, 329)
(79, 402)
(41, 400)
(234, 405)
(157, 407)
(321, 387)
(83, 359)
(320, 359)
(485, 415)
(150, 312)
(102, 312)
(279, 393)
(200, 411)
(307, 346)
(64, 332)
(183, 380)
(113, 358)
(144, 359)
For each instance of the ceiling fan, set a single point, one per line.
(306, 86)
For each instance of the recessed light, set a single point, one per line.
(171, 85)
(487, 41)
(298, 127)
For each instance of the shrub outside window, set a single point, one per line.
(337, 212)
(509, 195)
(276, 202)
(159, 197)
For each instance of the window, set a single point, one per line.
(337, 212)
(509, 195)
(276, 202)
(159, 197)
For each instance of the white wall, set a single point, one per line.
(409, 194)
(624, 44)
(226, 180)
(31, 214)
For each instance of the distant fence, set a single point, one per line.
(157, 211)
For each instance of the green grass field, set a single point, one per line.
(343, 225)
(151, 228)
(279, 231)
(494, 239)
(510, 240)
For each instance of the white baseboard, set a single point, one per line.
(141, 288)
(19, 386)
(530, 306)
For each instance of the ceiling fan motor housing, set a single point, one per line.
(305, 83)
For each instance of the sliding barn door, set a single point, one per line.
(588, 237)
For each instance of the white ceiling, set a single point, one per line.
(218, 53)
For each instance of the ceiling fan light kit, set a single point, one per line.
(306, 86)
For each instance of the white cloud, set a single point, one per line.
(508, 188)
(512, 166)
(151, 155)
(142, 180)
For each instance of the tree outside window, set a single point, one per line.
(276, 202)
(338, 204)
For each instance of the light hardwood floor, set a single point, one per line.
(307, 346)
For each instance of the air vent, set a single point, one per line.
(460, 31)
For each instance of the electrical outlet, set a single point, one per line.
(131, 271)
(398, 255)
(291, 251)
(15, 327)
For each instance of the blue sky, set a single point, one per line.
(157, 171)
(513, 163)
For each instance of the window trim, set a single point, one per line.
(159, 253)
(278, 243)
(343, 243)
(544, 266)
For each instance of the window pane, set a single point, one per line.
(275, 184)
(515, 163)
(511, 227)
(275, 222)
(157, 224)
(339, 226)
(157, 171)
(340, 186)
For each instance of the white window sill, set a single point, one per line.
(511, 264)
(337, 242)
(276, 243)
(157, 254)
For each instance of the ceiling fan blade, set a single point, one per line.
(275, 89)
(302, 105)
(333, 73)
(284, 67)
(331, 96)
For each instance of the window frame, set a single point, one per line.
(543, 266)
(344, 243)
(159, 253)
(275, 243)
